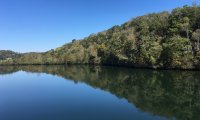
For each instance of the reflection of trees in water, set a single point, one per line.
(8, 69)
(166, 93)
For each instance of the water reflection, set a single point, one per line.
(171, 94)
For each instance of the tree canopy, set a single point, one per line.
(157, 40)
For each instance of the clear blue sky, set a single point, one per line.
(40, 25)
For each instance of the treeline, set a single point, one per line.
(158, 40)
(7, 54)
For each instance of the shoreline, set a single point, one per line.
(104, 65)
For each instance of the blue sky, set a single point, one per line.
(41, 25)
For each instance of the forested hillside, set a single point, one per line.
(158, 40)
(7, 54)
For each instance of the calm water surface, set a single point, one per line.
(97, 93)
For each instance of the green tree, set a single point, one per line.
(177, 53)
(185, 26)
(196, 38)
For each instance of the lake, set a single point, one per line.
(97, 93)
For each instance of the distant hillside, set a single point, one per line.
(7, 54)
(157, 40)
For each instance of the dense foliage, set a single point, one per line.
(157, 40)
(7, 54)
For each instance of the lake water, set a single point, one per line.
(98, 93)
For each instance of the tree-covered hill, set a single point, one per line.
(158, 40)
(7, 54)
